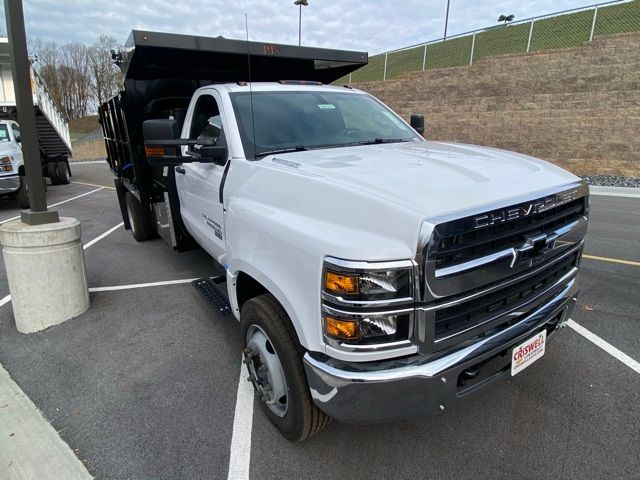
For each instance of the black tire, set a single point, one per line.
(62, 172)
(52, 172)
(302, 418)
(23, 194)
(139, 219)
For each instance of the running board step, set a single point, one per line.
(212, 294)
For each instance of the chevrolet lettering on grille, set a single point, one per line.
(514, 213)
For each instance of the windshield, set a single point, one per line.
(289, 121)
(4, 133)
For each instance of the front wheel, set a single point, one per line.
(23, 194)
(273, 358)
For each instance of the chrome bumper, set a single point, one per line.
(406, 387)
(9, 183)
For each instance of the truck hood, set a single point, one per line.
(433, 178)
(7, 148)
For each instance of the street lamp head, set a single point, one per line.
(304, 3)
(506, 18)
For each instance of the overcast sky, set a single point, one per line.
(371, 25)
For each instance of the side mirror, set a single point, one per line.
(214, 154)
(417, 122)
(161, 142)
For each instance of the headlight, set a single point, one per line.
(371, 285)
(5, 164)
(367, 303)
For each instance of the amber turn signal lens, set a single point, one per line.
(154, 151)
(341, 329)
(337, 283)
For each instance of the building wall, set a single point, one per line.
(576, 107)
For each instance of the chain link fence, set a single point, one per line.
(566, 29)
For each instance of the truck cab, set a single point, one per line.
(11, 163)
(375, 275)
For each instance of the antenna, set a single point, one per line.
(253, 123)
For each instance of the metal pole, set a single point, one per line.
(530, 35)
(446, 20)
(26, 118)
(300, 27)
(384, 74)
(473, 47)
(593, 23)
(349, 79)
(424, 58)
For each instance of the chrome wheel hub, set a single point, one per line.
(265, 371)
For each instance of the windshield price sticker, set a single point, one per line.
(528, 352)
(326, 106)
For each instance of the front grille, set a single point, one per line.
(459, 318)
(460, 242)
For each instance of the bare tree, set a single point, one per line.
(105, 75)
(78, 77)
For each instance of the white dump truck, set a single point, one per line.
(53, 134)
(375, 275)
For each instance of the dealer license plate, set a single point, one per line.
(528, 352)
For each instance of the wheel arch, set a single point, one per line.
(247, 283)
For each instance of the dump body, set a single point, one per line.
(53, 130)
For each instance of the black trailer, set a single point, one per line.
(160, 73)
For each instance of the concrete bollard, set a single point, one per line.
(46, 272)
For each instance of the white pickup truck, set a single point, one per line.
(12, 179)
(375, 275)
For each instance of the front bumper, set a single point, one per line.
(9, 183)
(402, 388)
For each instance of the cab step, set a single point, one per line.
(212, 294)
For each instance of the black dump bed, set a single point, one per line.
(161, 71)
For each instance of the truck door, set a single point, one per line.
(199, 183)
(18, 140)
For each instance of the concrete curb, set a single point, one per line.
(627, 192)
(29, 445)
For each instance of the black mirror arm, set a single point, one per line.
(180, 142)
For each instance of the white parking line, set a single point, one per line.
(140, 285)
(59, 203)
(93, 185)
(240, 454)
(100, 237)
(606, 346)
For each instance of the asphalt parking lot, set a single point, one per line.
(144, 385)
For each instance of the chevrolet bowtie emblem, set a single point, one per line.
(534, 244)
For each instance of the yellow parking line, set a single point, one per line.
(93, 185)
(612, 260)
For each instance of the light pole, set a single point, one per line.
(300, 3)
(38, 214)
(446, 20)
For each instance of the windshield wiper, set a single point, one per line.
(299, 148)
(383, 140)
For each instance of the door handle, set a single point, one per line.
(180, 170)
